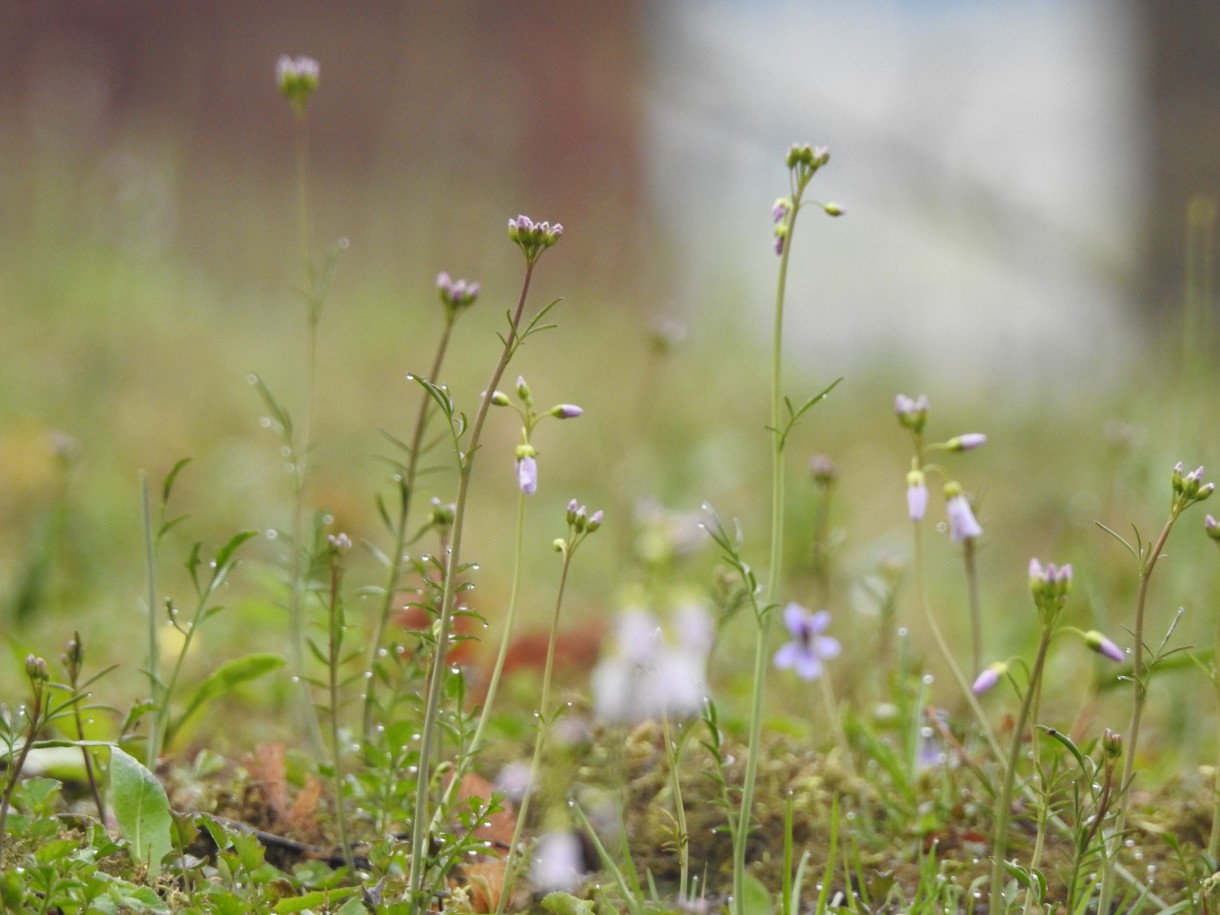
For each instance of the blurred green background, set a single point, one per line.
(1016, 177)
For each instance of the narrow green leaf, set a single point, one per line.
(141, 809)
(225, 678)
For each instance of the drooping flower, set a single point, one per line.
(808, 648)
(527, 470)
(962, 523)
(917, 495)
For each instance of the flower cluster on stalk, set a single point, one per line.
(526, 454)
(297, 79)
(912, 413)
(533, 237)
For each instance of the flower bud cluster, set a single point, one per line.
(1049, 587)
(1189, 488)
(527, 466)
(533, 238)
(805, 157)
(36, 669)
(456, 295)
(297, 79)
(912, 413)
(580, 521)
(443, 513)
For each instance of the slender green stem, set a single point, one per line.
(394, 570)
(157, 715)
(16, 765)
(420, 823)
(336, 628)
(835, 720)
(1004, 802)
(544, 724)
(946, 653)
(1140, 686)
(476, 741)
(763, 639)
(1213, 841)
(976, 616)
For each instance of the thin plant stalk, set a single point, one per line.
(407, 484)
(972, 593)
(432, 703)
(336, 628)
(1213, 841)
(493, 684)
(1008, 786)
(763, 638)
(36, 672)
(154, 646)
(511, 865)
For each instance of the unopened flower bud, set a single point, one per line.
(779, 212)
(1102, 645)
(566, 411)
(989, 677)
(967, 442)
(833, 209)
(823, 470)
(1212, 527)
(523, 391)
(442, 513)
(500, 399)
(595, 521)
(36, 669)
(1111, 744)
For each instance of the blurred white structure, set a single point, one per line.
(988, 156)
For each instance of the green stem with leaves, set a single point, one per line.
(421, 820)
(406, 484)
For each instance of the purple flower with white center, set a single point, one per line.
(1102, 645)
(808, 648)
(917, 495)
(962, 524)
(989, 677)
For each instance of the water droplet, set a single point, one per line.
(285, 451)
(383, 652)
(412, 770)
(265, 422)
(252, 378)
(380, 729)
(296, 679)
(271, 533)
(903, 632)
(368, 675)
(927, 679)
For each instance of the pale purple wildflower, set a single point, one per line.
(456, 294)
(962, 523)
(527, 474)
(808, 648)
(1102, 645)
(912, 412)
(917, 495)
(989, 677)
(967, 442)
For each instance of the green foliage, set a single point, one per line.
(141, 808)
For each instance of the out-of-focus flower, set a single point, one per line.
(917, 495)
(808, 648)
(912, 412)
(297, 78)
(989, 677)
(962, 524)
(558, 863)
